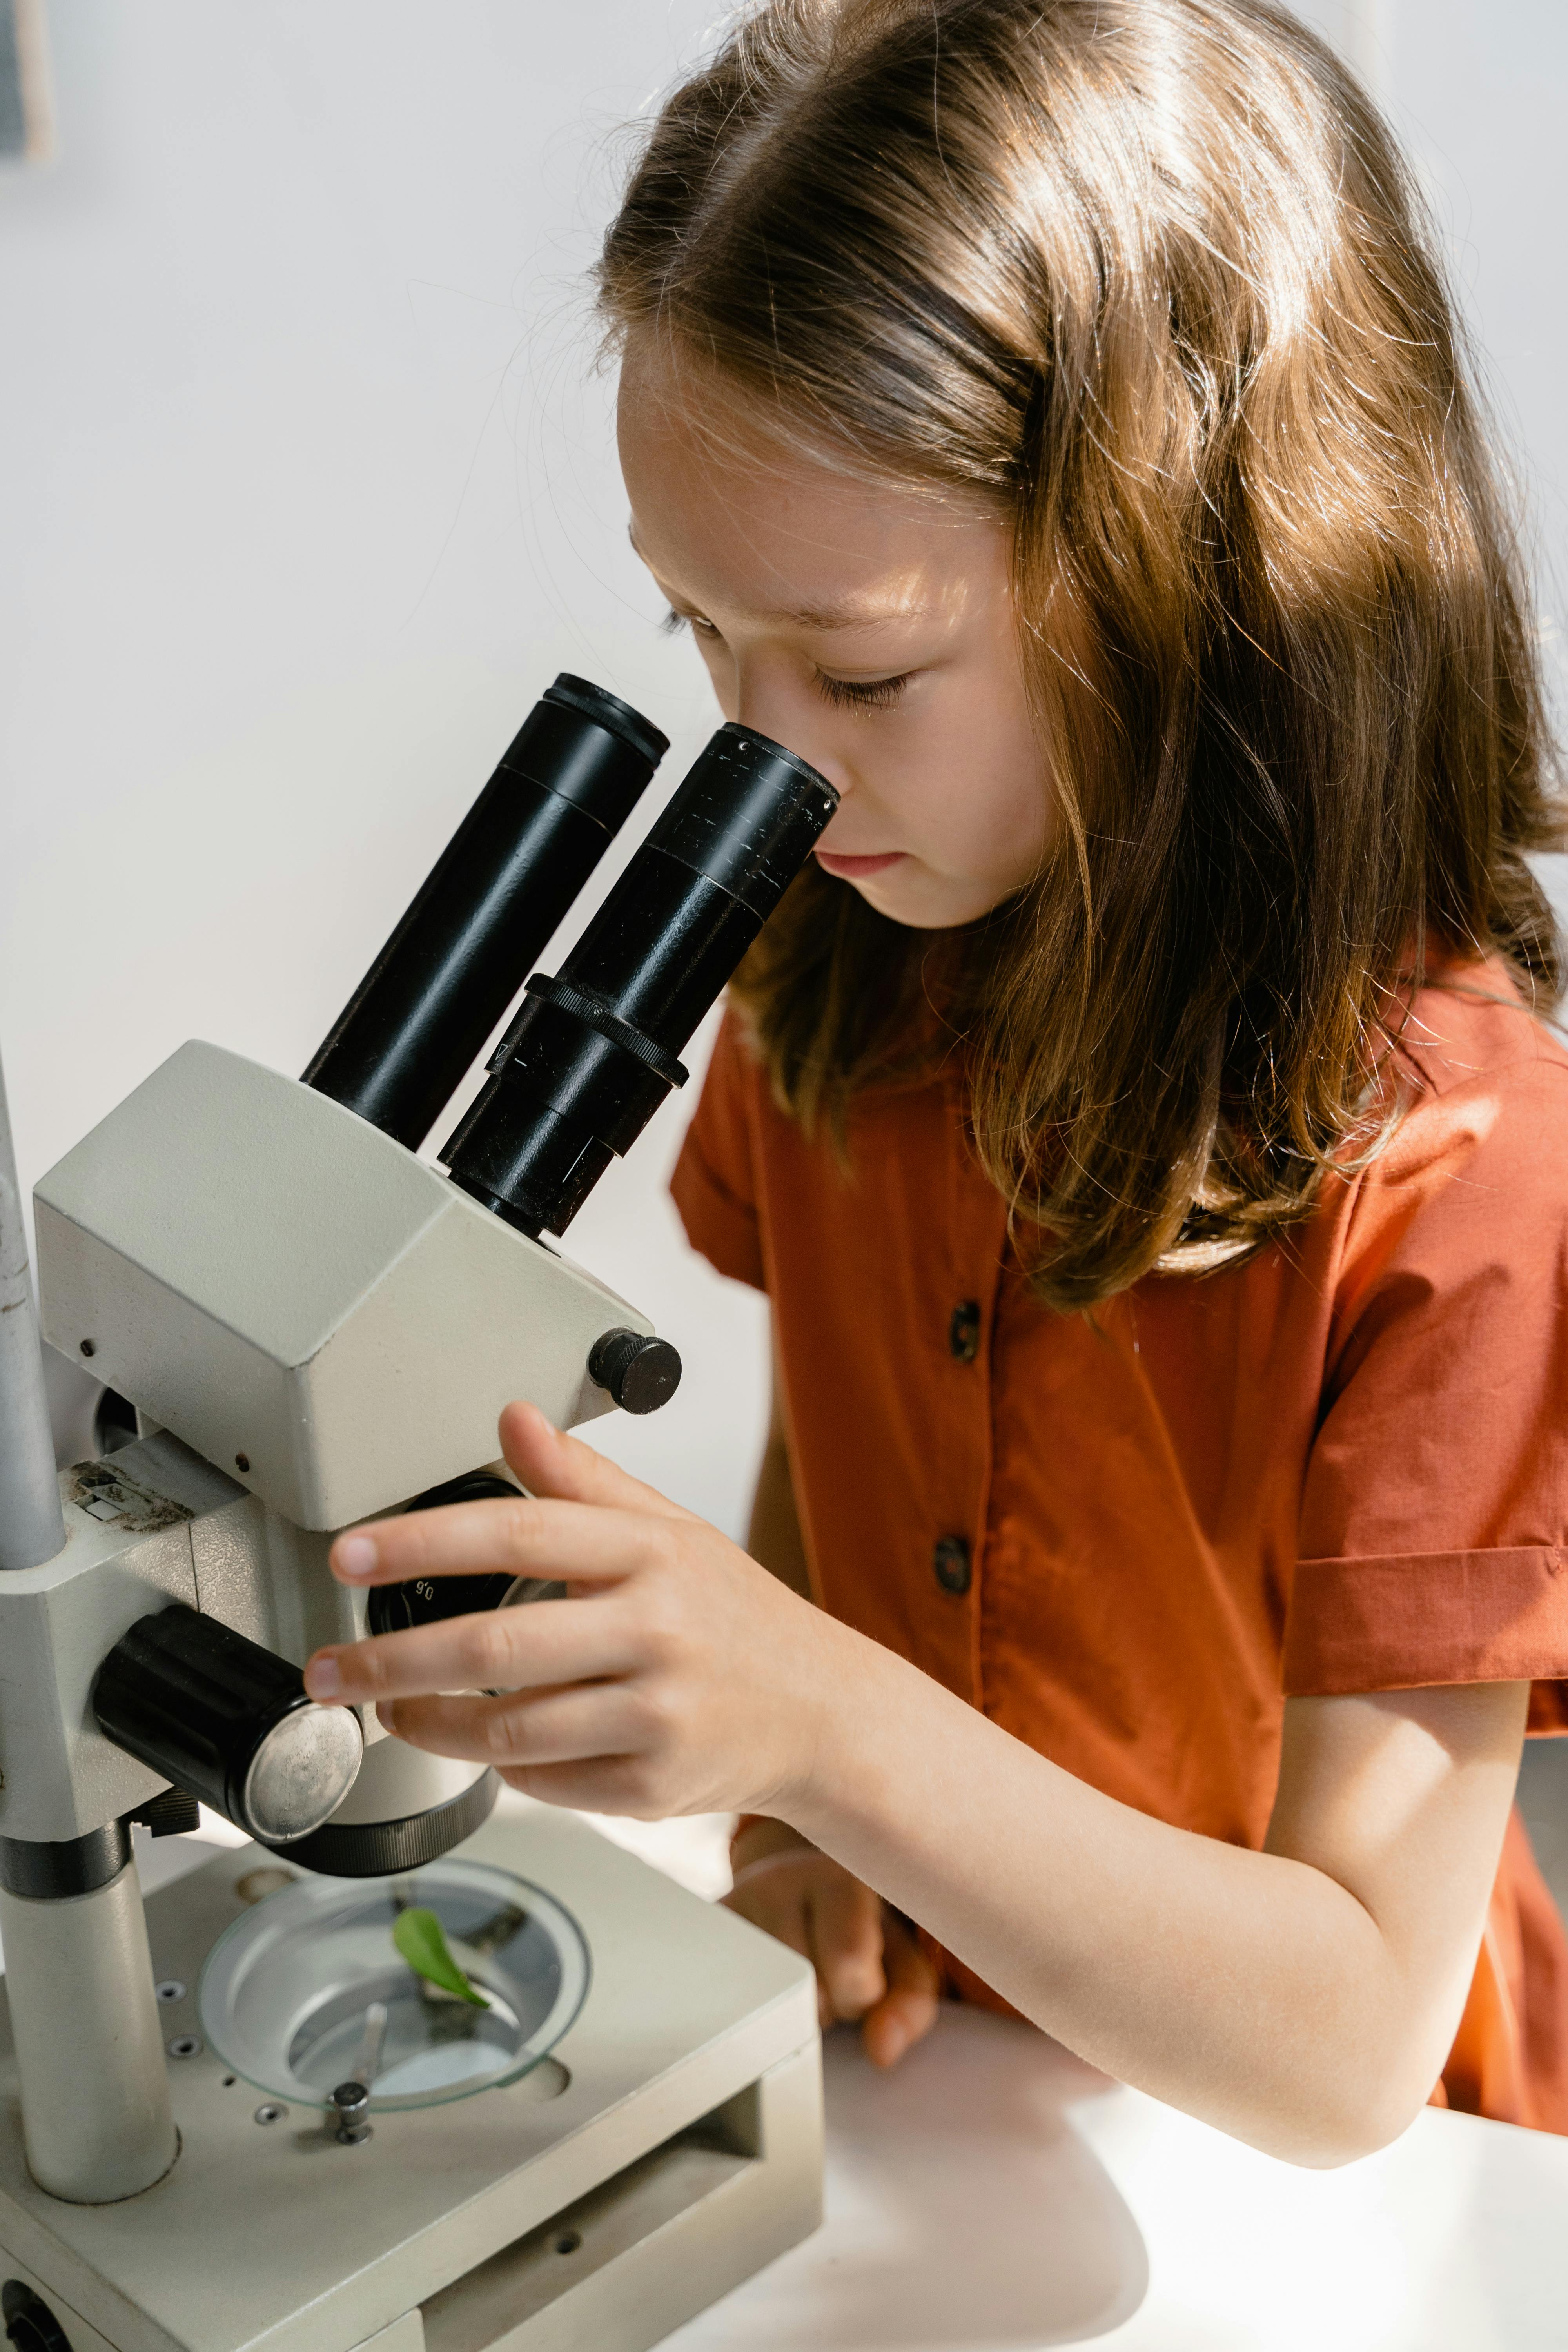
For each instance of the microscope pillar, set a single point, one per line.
(96, 2115)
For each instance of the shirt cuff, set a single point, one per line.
(1428, 1617)
(724, 1228)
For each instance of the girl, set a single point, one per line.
(1046, 415)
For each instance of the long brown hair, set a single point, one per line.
(1152, 273)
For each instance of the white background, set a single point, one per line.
(307, 489)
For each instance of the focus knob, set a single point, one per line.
(429, 1600)
(223, 1718)
(640, 1373)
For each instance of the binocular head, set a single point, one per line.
(595, 1049)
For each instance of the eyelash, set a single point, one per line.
(861, 694)
(843, 693)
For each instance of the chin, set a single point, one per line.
(926, 902)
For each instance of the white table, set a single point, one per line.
(992, 2194)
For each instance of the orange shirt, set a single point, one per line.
(1340, 1467)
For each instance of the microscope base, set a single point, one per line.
(672, 2147)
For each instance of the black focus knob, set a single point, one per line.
(428, 1600)
(640, 1373)
(223, 1718)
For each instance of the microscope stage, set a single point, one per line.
(670, 2145)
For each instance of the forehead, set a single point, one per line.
(730, 514)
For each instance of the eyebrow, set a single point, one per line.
(812, 616)
(837, 617)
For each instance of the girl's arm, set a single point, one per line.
(1303, 1998)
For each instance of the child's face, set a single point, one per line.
(869, 628)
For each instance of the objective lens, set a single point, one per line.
(400, 1047)
(593, 1053)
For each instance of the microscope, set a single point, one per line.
(235, 2114)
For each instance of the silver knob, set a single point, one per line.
(352, 2101)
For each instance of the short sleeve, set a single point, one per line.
(1434, 1530)
(714, 1183)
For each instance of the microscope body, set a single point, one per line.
(267, 1276)
(318, 1327)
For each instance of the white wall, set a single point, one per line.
(1477, 90)
(307, 490)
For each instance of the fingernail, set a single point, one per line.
(387, 1715)
(323, 1679)
(356, 1556)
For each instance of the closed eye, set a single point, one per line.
(673, 623)
(861, 694)
(843, 693)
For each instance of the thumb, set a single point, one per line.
(562, 1469)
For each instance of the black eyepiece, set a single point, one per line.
(594, 1052)
(607, 711)
(400, 1047)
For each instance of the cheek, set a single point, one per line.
(1025, 814)
(981, 800)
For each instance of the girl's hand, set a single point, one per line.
(869, 1967)
(676, 1676)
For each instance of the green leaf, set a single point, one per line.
(422, 1940)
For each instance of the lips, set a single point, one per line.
(857, 869)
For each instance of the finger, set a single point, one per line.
(775, 1901)
(577, 1725)
(527, 1648)
(525, 1538)
(549, 1463)
(846, 1921)
(604, 1784)
(775, 1896)
(911, 2004)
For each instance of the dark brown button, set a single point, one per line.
(964, 1330)
(951, 1560)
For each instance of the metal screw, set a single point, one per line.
(88, 1348)
(185, 2045)
(270, 2114)
(170, 1990)
(352, 2101)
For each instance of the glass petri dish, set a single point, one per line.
(307, 1989)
